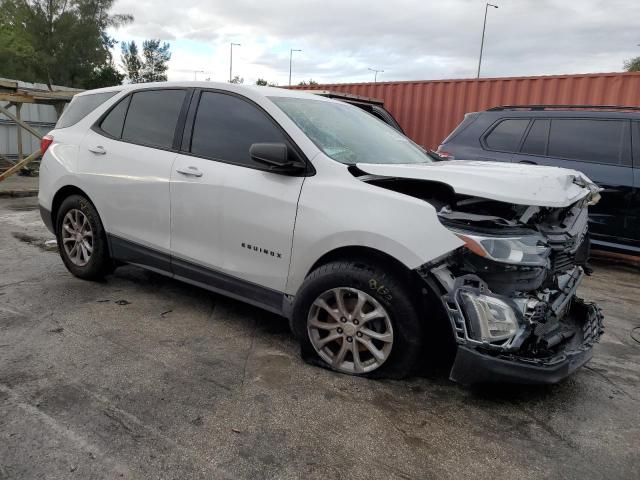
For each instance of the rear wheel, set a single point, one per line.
(356, 318)
(81, 239)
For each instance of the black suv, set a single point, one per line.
(601, 141)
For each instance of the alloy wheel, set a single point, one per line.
(350, 330)
(77, 237)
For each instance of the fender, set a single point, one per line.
(344, 211)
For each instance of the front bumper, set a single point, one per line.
(473, 366)
(555, 335)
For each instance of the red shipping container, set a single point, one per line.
(428, 110)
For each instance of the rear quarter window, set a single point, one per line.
(506, 136)
(81, 106)
(113, 123)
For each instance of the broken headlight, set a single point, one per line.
(529, 249)
(491, 319)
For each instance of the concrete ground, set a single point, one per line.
(19, 186)
(145, 377)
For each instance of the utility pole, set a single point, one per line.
(484, 26)
(231, 61)
(375, 74)
(290, 61)
(195, 73)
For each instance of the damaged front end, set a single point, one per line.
(510, 292)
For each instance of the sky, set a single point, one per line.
(408, 39)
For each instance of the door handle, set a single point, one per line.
(98, 150)
(528, 162)
(191, 171)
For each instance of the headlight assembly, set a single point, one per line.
(519, 250)
(491, 319)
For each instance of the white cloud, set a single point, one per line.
(409, 39)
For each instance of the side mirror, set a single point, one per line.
(276, 157)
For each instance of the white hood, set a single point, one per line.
(516, 183)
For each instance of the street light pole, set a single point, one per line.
(195, 73)
(375, 74)
(484, 26)
(291, 60)
(231, 60)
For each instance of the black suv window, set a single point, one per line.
(152, 117)
(226, 126)
(536, 141)
(588, 140)
(506, 135)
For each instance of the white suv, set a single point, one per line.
(316, 210)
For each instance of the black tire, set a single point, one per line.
(389, 288)
(99, 263)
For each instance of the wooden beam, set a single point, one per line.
(26, 96)
(28, 128)
(17, 97)
(19, 132)
(55, 95)
(8, 84)
(7, 173)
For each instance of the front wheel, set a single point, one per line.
(356, 318)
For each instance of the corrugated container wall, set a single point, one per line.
(429, 110)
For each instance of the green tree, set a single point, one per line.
(156, 57)
(237, 79)
(15, 49)
(61, 42)
(151, 67)
(310, 83)
(632, 65)
(131, 62)
(261, 82)
(104, 76)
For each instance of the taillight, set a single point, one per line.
(44, 143)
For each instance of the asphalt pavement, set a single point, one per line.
(141, 376)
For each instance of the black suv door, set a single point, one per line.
(633, 217)
(598, 147)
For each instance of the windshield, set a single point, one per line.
(349, 135)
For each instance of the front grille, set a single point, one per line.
(565, 255)
(562, 262)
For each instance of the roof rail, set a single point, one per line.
(568, 107)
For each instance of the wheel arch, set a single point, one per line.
(59, 197)
(363, 253)
(425, 293)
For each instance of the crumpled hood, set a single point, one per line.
(516, 183)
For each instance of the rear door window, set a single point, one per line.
(226, 126)
(81, 106)
(536, 141)
(152, 117)
(599, 141)
(506, 136)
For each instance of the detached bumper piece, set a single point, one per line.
(473, 365)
